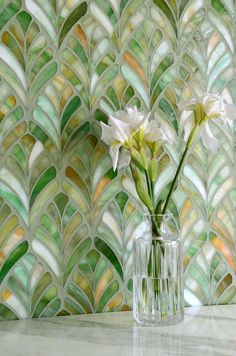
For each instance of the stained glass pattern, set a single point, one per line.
(67, 221)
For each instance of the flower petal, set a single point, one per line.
(121, 115)
(213, 104)
(114, 153)
(187, 129)
(230, 111)
(107, 134)
(136, 117)
(124, 159)
(187, 122)
(120, 129)
(152, 132)
(130, 116)
(208, 139)
(188, 104)
(168, 133)
(145, 121)
(159, 131)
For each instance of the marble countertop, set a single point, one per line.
(204, 331)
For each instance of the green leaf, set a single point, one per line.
(168, 110)
(107, 251)
(61, 201)
(81, 132)
(51, 308)
(9, 11)
(43, 181)
(42, 285)
(44, 302)
(43, 78)
(76, 255)
(6, 313)
(219, 7)
(73, 18)
(24, 20)
(81, 298)
(167, 11)
(71, 108)
(122, 199)
(108, 294)
(19, 251)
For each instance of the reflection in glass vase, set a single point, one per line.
(158, 275)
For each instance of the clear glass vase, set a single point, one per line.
(158, 275)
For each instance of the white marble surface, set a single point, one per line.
(204, 331)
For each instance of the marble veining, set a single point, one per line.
(204, 331)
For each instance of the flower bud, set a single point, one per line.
(139, 158)
(144, 158)
(140, 187)
(153, 170)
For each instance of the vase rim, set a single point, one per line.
(165, 214)
(167, 238)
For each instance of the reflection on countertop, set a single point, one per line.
(204, 331)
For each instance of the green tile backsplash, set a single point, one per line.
(67, 221)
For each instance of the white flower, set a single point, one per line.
(197, 112)
(134, 118)
(121, 125)
(120, 132)
(159, 132)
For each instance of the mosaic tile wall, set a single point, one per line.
(67, 221)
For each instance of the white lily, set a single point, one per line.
(131, 116)
(197, 112)
(121, 126)
(155, 131)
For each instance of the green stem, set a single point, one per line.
(188, 144)
(174, 180)
(151, 193)
(154, 267)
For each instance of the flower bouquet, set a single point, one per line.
(135, 140)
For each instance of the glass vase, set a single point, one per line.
(158, 275)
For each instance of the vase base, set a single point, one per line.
(157, 320)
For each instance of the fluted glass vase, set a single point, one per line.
(158, 275)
